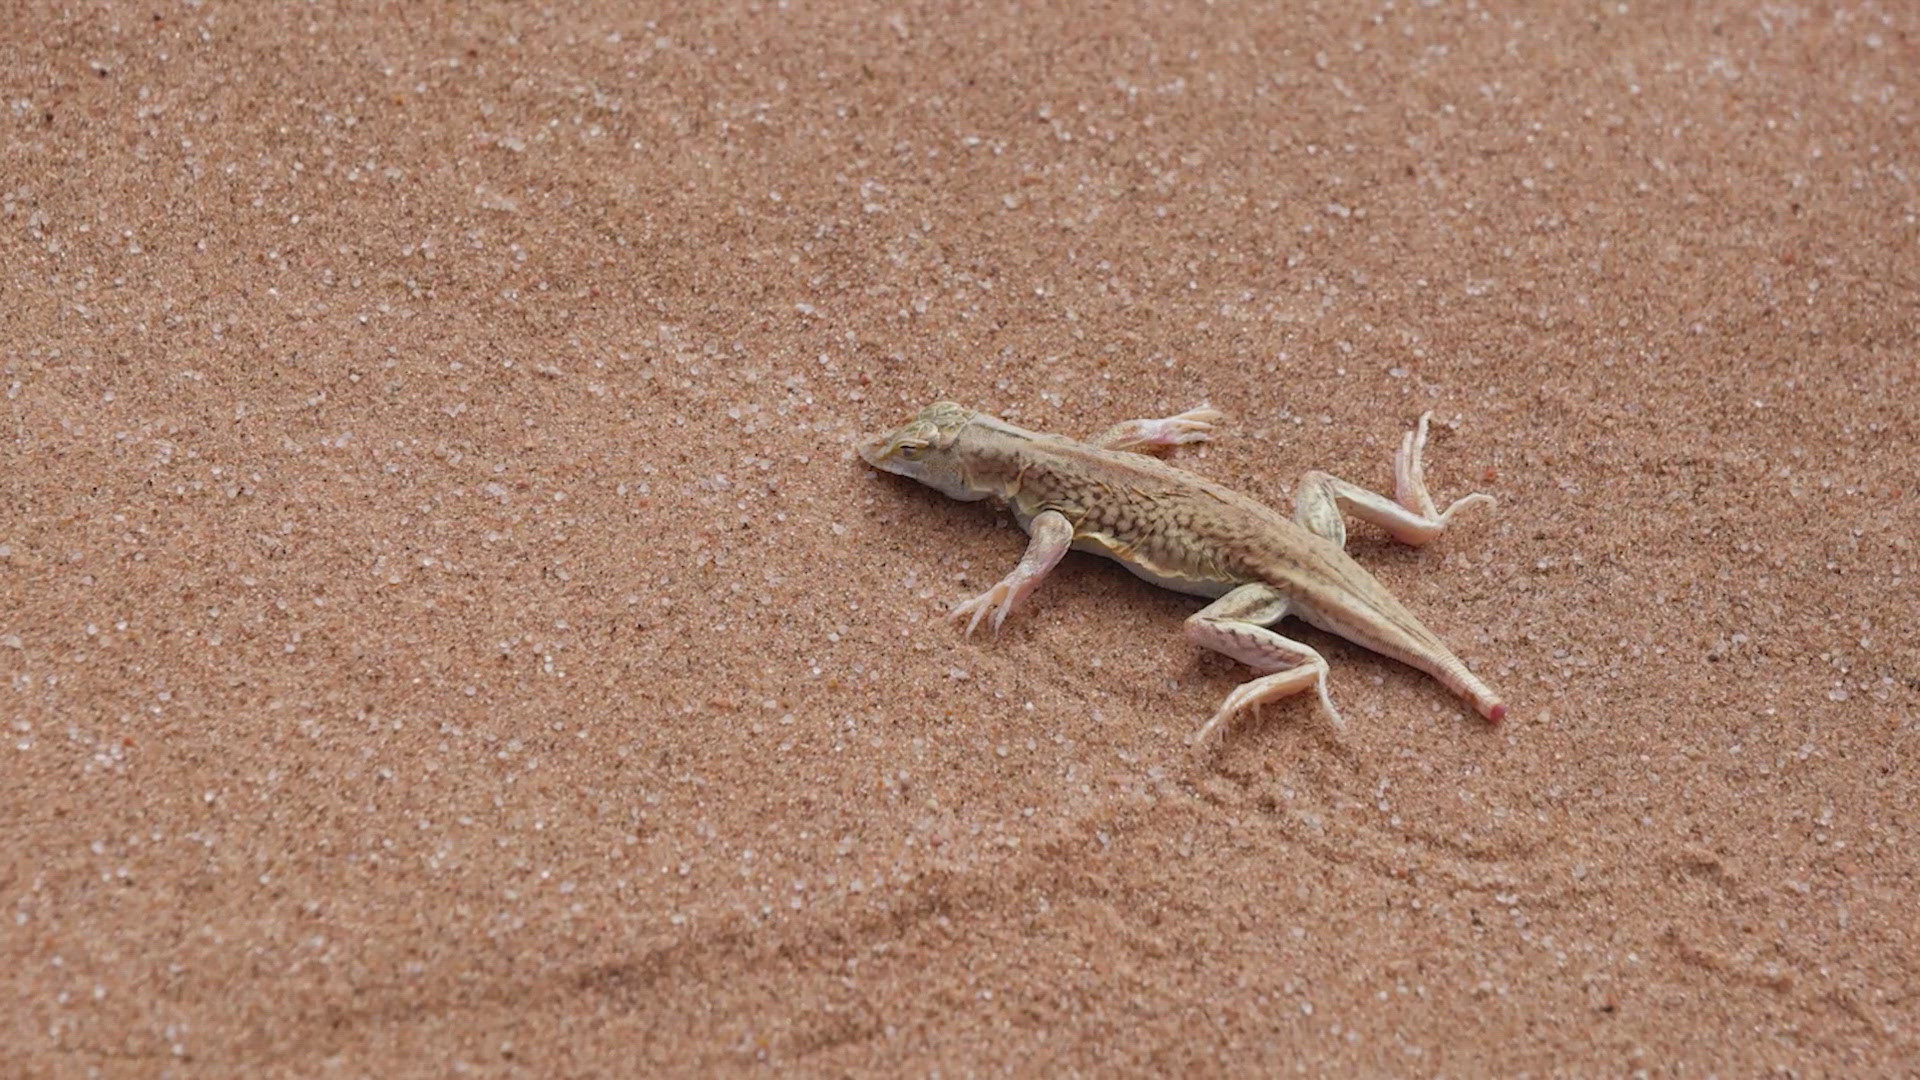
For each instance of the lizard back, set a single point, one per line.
(1180, 530)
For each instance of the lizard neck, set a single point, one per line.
(997, 455)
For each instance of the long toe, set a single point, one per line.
(1333, 714)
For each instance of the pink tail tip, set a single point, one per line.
(1497, 713)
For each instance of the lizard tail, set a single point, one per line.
(1485, 701)
(1454, 676)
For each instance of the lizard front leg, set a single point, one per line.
(1142, 436)
(1236, 624)
(1052, 535)
(1410, 516)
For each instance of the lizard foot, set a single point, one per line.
(1256, 692)
(1410, 480)
(998, 601)
(1146, 436)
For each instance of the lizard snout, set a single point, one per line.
(872, 450)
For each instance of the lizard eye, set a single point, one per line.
(913, 451)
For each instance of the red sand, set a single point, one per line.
(444, 624)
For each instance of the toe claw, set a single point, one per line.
(995, 603)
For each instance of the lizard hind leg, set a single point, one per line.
(1316, 508)
(1410, 516)
(1236, 624)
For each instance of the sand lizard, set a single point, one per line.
(1184, 532)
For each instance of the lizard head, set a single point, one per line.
(923, 449)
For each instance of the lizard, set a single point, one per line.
(1184, 532)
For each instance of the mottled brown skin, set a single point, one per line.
(1173, 527)
(1180, 530)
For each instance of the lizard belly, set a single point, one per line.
(1178, 578)
(1166, 573)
